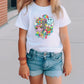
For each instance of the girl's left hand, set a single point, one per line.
(67, 67)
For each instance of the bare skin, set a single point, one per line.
(54, 80)
(66, 49)
(36, 79)
(24, 69)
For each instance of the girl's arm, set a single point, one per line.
(23, 70)
(22, 44)
(66, 49)
(66, 43)
(22, 23)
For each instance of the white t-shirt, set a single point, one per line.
(43, 27)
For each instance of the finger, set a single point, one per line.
(66, 74)
(19, 74)
(23, 75)
(69, 72)
(63, 70)
(26, 76)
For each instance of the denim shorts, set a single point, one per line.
(48, 63)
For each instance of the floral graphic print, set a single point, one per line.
(44, 26)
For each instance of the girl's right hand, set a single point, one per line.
(24, 71)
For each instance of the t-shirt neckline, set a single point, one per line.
(41, 6)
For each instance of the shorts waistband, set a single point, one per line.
(33, 51)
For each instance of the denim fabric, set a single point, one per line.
(49, 63)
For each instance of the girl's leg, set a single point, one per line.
(53, 80)
(36, 79)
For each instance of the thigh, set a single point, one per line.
(36, 79)
(54, 80)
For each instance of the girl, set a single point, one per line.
(42, 38)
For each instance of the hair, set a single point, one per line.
(55, 5)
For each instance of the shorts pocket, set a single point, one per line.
(57, 57)
(29, 56)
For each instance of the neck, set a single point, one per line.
(42, 2)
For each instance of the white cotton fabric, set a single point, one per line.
(27, 22)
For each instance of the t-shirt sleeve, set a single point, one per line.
(65, 20)
(22, 20)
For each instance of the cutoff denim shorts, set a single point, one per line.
(48, 63)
